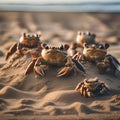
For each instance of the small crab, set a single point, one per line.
(97, 53)
(26, 41)
(54, 56)
(92, 87)
(85, 37)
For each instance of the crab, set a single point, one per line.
(85, 37)
(54, 56)
(97, 53)
(82, 37)
(26, 41)
(92, 87)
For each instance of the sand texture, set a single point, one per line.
(29, 97)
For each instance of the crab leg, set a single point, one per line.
(89, 94)
(105, 86)
(79, 65)
(85, 91)
(12, 49)
(79, 86)
(113, 62)
(82, 89)
(30, 67)
(77, 57)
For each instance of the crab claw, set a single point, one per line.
(72, 65)
(65, 71)
(12, 49)
(40, 69)
(69, 67)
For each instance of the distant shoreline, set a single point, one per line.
(80, 7)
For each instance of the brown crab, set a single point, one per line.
(85, 37)
(92, 87)
(26, 41)
(54, 56)
(97, 53)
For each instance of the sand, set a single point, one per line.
(25, 97)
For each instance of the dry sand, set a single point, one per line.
(29, 98)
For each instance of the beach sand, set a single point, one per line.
(25, 97)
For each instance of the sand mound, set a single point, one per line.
(10, 92)
(25, 111)
(74, 108)
(3, 104)
(27, 101)
(62, 96)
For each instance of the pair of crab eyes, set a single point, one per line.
(61, 47)
(31, 35)
(100, 46)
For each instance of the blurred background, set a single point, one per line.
(61, 5)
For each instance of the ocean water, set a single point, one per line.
(63, 7)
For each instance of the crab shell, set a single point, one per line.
(85, 37)
(29, 41)
(92, 84)
(92, 87)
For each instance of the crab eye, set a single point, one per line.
(61, 47)
(46, 47)
(87, 46)
(101, 46)
(88, 33)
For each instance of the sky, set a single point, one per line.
(54, 1)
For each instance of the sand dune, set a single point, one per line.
(30, 97)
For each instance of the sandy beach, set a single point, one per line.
(25, 97)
